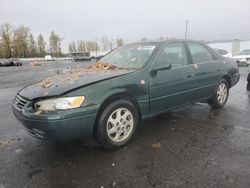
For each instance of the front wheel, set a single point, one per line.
(117, 124)
(220, 95)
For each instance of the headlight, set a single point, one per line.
(59, 103)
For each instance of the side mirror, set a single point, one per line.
(155, 70)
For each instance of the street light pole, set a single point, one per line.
(186, 31)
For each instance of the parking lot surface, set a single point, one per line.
(195, 146)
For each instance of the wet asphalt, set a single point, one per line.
(195, 146)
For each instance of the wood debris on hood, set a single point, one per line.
(74, 75)
(103, 66)
(46, 83)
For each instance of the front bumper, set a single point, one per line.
(59, 127)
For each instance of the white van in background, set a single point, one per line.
(48, 58)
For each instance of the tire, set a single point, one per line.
(220, 96)
(114, 130)
(248, 77)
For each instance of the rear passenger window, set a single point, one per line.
(199, 53)
(174, 54)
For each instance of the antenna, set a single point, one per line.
(186, 30)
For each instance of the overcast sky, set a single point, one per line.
(130, 19)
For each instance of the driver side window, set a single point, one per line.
(174, 54)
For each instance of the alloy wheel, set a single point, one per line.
(222, 93)
(120, 124)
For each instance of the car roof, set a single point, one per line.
(166, 41)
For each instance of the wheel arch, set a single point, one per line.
(228, 79)
(116, 96)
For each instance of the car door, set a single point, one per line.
(207, 69)
(171, 79)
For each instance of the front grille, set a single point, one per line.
(20, 102)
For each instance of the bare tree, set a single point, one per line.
(20, 41)
(104, 41)
(91, 46)
(55, 44)
(111, 44)
(72, 46)
(6, 40)
(81, 46)
(41, 46)
(119, 42)
(96, 47)
(32, 46)
(1, 46)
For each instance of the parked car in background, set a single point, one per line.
(83, 59)
(224, 53)
(15, 62)
(243, 59)
(10, 62)
(4, 62)
(133, 82)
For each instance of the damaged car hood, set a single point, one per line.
(62, 83)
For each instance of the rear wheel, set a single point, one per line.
(117, 124)
(220, 95)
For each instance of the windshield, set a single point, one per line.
(245, 52)
(131, 56)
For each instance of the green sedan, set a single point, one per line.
(133, 82)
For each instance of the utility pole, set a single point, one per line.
(186, 31)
